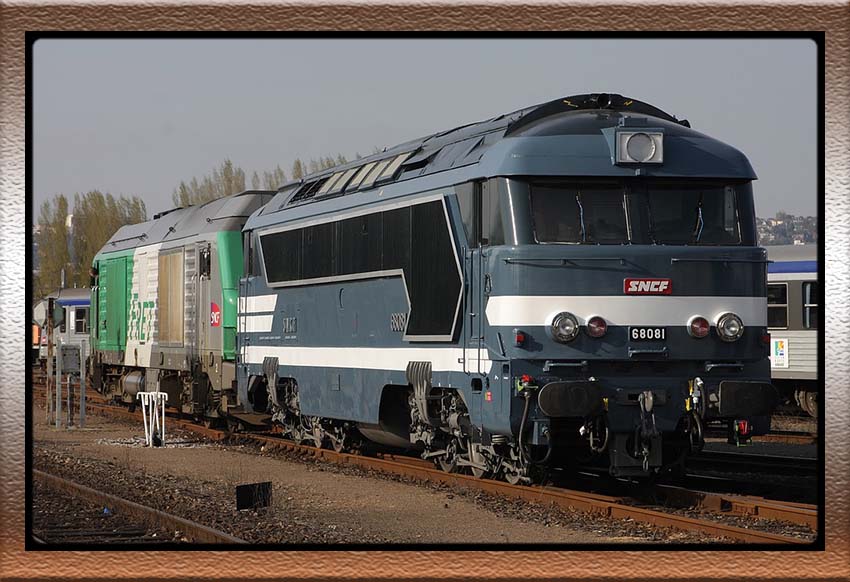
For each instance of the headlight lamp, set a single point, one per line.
(729, 327)
(564, 327)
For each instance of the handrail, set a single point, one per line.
(717, 260)
(562, 260)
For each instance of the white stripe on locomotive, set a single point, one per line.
(396, 359)
(529, 310)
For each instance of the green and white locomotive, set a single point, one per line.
(164, 298)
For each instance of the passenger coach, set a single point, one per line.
(792, 318)
(573, 281)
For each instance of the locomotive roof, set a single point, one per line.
(189, 221)
(567, 136)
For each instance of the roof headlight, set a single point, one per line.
(564, 327)
(730, 327)
(640, 147)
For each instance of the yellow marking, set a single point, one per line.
(605, 403)
(687, 403)
(629, 102)
(570, 103)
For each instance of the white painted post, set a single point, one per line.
(58, 409)
(140, 396)
(162, 433)
(151, 403)
(83, 350)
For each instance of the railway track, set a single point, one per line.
(77, 524)
(612, 506)
(743, 463)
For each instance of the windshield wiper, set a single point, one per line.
(581, 217)
(700, 222)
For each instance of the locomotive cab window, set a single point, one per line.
(250, 255)
(579, 213)
(810, 305)
(481, 213)
(693, 214)
(777, 305)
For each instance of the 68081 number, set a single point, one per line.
(647, 333)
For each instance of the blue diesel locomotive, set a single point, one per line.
(572, 281)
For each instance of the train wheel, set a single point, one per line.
(513, 477)
(338, 439)
(513, 469)
(476, 455)
(811, 399)
(317, 433)
(448, 462)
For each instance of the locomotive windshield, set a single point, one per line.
(576, 213)
(688, 214)
(640, 213)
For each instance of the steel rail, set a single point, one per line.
(743, 505)
(751, 463)
(149, 515)
(787, 438)
(608, 506)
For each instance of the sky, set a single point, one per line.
(137, 116)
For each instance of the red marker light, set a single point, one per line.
(743, 427)
(596, 326)
(765, 339)
(698, 327)
(519, 338)
(488, 396)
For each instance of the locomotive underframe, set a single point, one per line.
(619, 427)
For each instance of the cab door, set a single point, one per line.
(484, 359)
(475, 349)
(208, 311)
(112, 304)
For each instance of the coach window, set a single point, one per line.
(62, 327)
(810, 305)
(777, 305)
(81, 320)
